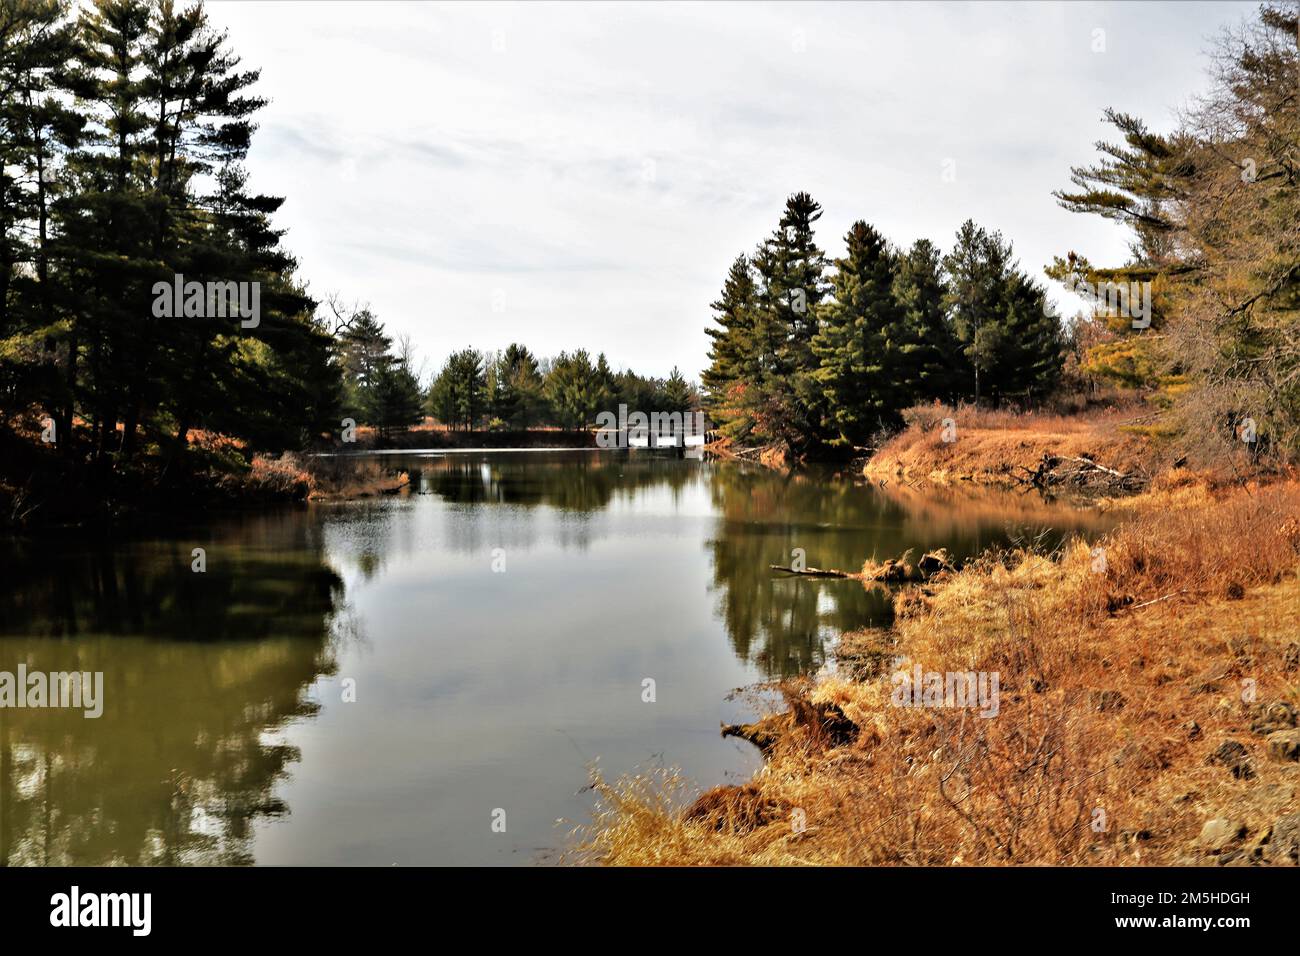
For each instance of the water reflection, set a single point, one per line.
(200, 671)
(785, 623)
(478, 688)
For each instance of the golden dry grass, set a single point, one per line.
(1117, 682)
(992, 444)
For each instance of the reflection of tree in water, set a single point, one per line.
(784, 623)
(198, 670)
(569, 481)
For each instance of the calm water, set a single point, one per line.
(496, 623)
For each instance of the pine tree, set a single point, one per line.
(1031, 352)
(859, 347)
(521, 387)
(397, 398)
(458, 397)
(570, 388)
(1138, 184)
(1010, 341)
(787, 402)
(604, 385)
(363, 349)
(676, 393)
(732, 355)
(932, 352)
(37, 124)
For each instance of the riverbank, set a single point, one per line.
(40, 487)
(945, 446)
(1145, 712)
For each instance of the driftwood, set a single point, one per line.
(890, 572)
(1079, 471)
(816, 572)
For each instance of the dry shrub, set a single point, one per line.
(282, 477)
(347, 476)
(1116, 682)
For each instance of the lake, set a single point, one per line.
(379, 681)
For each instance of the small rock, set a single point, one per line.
(1270, 718)
(1283, 746)
(1235, 757)
(1218, 834)
(1193, 729)
(1284, 846)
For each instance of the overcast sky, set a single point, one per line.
(581, 175)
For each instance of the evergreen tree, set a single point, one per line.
(1138, 184)
(1031, 353)
(397, 398)
(932, 353)
(860, 346)
(676, 393)
(604, 385)
(458, 396)
(521, 397)
(732, 353)
(571, 389)
(1011, 342)
(364, 357)
(36, 125)
(788, 403)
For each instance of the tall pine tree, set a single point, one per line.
(859, 347)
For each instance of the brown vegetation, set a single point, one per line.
(1145, 689)
(1000, 446)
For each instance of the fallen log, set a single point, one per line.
(892, 571)
(1086, 470)
(815, 572)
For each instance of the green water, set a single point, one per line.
(379, 681)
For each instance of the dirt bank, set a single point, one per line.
(990, 447)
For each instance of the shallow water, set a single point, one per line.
(496, 624)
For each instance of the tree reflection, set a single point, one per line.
(200, 671)
(785, 624)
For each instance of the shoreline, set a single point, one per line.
(1159, 677)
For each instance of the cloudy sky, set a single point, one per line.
(581, 175)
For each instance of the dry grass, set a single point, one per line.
(345, 477)
(991, 444)
(1117, 682)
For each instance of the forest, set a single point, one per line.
(125, 126)
(811, 361)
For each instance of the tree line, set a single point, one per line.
(124, 128)
(511, 389)
(815, 353)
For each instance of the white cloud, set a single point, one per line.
(601, 165)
